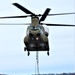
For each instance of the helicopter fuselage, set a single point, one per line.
(36, 40)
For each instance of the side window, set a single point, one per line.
(28, 28)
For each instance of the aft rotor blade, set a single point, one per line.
(57, 24)
(15, 17)
(45, 14)
(23, 9)
(61, 14)
(14, 23)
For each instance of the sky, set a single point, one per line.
(13, 59)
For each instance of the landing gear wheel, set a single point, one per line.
(28, 53)
(48, 53)
(25, 48)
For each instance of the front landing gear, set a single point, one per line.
(29, 51)
(25, 48)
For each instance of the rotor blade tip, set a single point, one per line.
(14, 3)
(49, 8)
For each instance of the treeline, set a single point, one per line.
(56, 74)
(2, 74)
(48, 74)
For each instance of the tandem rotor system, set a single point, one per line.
(39, 41)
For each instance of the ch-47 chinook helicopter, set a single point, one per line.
(36, 38)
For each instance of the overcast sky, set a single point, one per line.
(13, 59)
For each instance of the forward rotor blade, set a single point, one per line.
(14, 23)
(57, 24)
(23, 9)
(61, 14)
(14, 17)
(45, 14)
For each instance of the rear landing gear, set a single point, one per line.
(28, 53)
(48, 53)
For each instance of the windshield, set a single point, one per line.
(46, 29)
(34, 28)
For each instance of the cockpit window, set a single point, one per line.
(34, 28)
